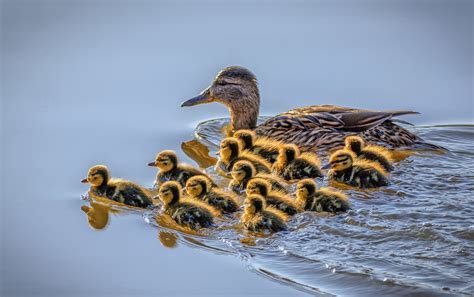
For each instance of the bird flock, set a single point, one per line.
(262, 174)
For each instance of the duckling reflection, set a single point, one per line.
(118, 190)
(264, 147)
(373, 153)
(258, 217)
(310, 198)
(293, 165)
(97, 215)
(171, 170)
(168, 239)
(199, 153)
(358, 173)
(231, 151)
(243, 171)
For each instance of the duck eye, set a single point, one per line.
(222, 83)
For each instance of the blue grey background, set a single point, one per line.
(87, 82)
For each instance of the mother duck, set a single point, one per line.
(318, 127)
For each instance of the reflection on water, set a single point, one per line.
(414, 237)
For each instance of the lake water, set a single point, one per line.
(101, 82)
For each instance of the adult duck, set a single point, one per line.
(319, 127)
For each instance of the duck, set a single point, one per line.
(277, 199)
(293, 165)
(312, 128)
(184, 210)
(243, 171)
(200, 188)
(265, 147)
(310, 198)
(231, 151)
(345, 168)
(172, 170)
(259, 217)
(373, 153)
(118, 190)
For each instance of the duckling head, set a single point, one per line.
(354, 144)
(254, 204)
(235, 87)
(258, 186)
(305, 188)
(165, 160)
(97, 176)
(246, 137)
(229, 149)
(243, 170)
(341, 160)
(287, 153)
(197, 185)
(170, 193)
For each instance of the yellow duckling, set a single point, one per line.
(309, 197)
(277, 199)
(258, 217)
(243, 171)
(170, 169)
(373, 153)
(265, 147)
(293, 165)
(186, 211)
(230, 152)
(119, 190)
(200, 188)
(359, 173)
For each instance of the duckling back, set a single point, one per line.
(329, 201)
(363, 174)
(307, 165)
(128, 193)
(269, 219)
(379, 155)
(282, 202)
(181, 174)
(192, 213)
(224, 201)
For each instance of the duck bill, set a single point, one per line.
(152, 164)
(84, 181)
(203, 98)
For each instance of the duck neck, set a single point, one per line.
(244, 112)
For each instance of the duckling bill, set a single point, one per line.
(116, 189)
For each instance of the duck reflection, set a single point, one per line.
(199, 153)
(97, 215)
(168, 239)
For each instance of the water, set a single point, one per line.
(87, 82)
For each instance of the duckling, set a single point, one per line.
(258, 217)
(230, 152)
(262, 146)
(277, 199)
(373, 153)
(359, 173)
(119, 190)
(292, 165)
(186, 211)
(200, 188)
(170, 169)
(243, 171)
(308, 197)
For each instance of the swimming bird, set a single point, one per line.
(258, 217)
(243, 171)
(185, 211)
(319, 127)
(277, 199)
(170, 169)
(230, 152)
(292, 165)
(345, 168)
(265, 147)
(200, 188)
(373, 153)
(119, 190)
(309, 197)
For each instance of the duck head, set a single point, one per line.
(197, 185)
(254, 204)
(258, 186)
(170, 193)
(97, 176)
(235, 87)
(341, 160)
(165, 160)
(242, 170)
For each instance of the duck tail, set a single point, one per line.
(426, 146)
